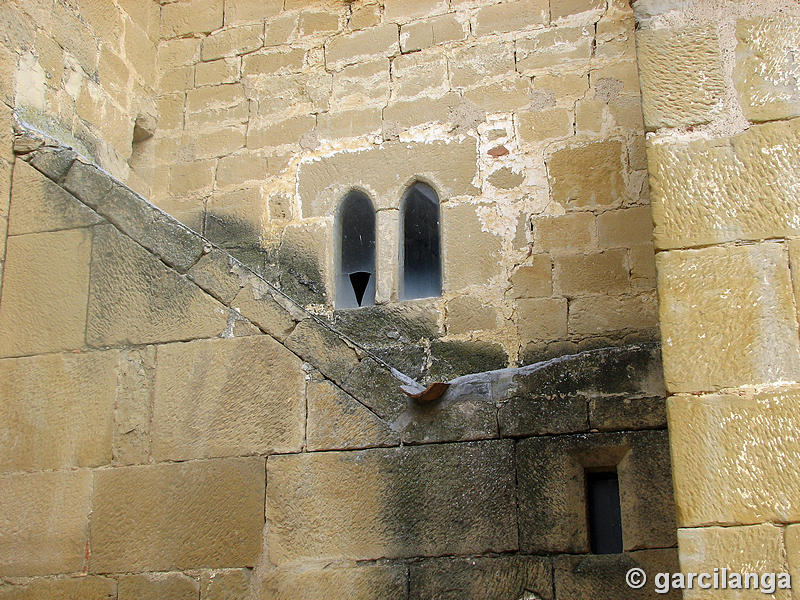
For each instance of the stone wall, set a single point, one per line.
(524, 116)
(178, 427)
(720, 96)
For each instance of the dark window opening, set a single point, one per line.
(605, 518)
(355, 273)
(421, 275)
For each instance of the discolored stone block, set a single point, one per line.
(473, 64)
(543, 415)
(337, 421)
(681, 76)
(32, 540)
(499, 578)
(136, 299)
(154, 586)
(386, 581)
(624, 228)
(738, 188)
(719, 442)
(450, 359)
(560, 9)
(45, 286)
(409, 501)
(323, 348)
(56, 410)
(766, 73)
(733, 304)
(553, 48)
(614, 413)
(61, 588)
(374, 385)
(178, 516)
(227, 397)
(588, 175)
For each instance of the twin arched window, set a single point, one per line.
(420, 248)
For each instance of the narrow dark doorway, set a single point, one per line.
(421, 272)
(605, 518)
(355, 269)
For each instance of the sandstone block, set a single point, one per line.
(552, 48)
(44, 526)
(603, 273)
(590, 315)
(415, 74)
(313, 22)
(350, 123)
(399, 11)
(472, 254)
(260, 304)
(338, 422)
(280, 30)
(588, 175)
(61, 588)
(346, 49)
(643, 267)
(57, 410)
(38, 204)
(568, 232)
(387, 582)
(504, 96)
(192, 177)
(241, 167)
(155, 586)
(205, 405)
(734, 304)
(535, 280)
(243, 11)
(365, 83)
(566, 87)
(765, 75)
(273, 61)
(281, 133)
(219, 274)
(232, 41)
(323, 348)
(512, 16)
(217, 72)
(526, 415)
(707, 192)
(681, 76)
(45, 287)
(545, 124)
(136, 299)
(755, 549)
(430, 32)
(215, 97)
(385, 172)
(473, 64)
(178, 516)
(473, 579)
(181, 18)
(466, 314)
(225, 584)
(541, 318)
(133, 412)
(365, 16)
(623, 228)
(722, 475)
(560, 9)
(140, 52)
(410, 501)
(613, 413)
(179, 52)
(235, 219)
(216, 143)
(422, 110)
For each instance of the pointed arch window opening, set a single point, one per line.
(420, 258)
(355, 253)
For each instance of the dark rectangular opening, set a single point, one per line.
(605, 518)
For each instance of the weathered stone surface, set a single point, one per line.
(541, 318)
(473, 64)
(623, 228)
(336, 421)
(567, 8)
(397, 322)
(45, 286)
(227, 397)
(738, 188)
(603, 576)
(225, 584)
(136, 299)
(569, 232)
(551, 489)
(681, 76)
(178, 516)
(610, 413)
(257, 303)
(451, 359)
(543, 415)
(53, 162)
(44, 522)
(535, 280)
(545, 124)
(56, 410)
(346, 49)
(62, 588)
(410, 501)
(754, 549)
(273, 61)
(792, 542)
(602, 313)
(155, 586)
(133, 410)
(231, 41)
(387, 582)
(553, 48)
(406, 10)
(385, 173)
(181, 18)
(351, 123)
(724, 444)
(588, 175)
(727, 316)
(244, 11)
(473, 254)
(603, 273)
(500, 578)
(766, 72)
(302, 258)
(219, 274)
(466, 314)
(417, 73)
(323, 348)
(374, 385)
(466, 412)
(511, 16)
(429, 32)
